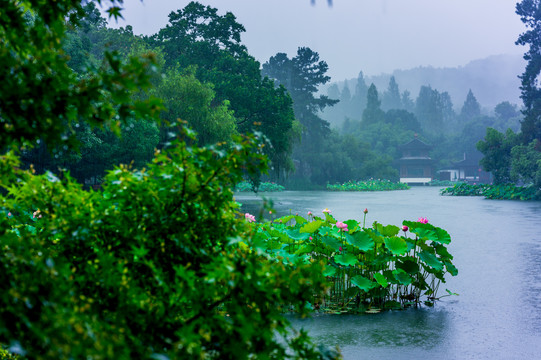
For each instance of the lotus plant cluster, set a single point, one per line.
(368, 185)
(367, 268)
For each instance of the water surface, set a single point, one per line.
(497, 250)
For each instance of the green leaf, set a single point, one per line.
(425, 234)
(431, 260)
(346, 259)
(408, 265)
(389, 230)
(299, 220)
(329, 271)
(294, 234)
(311, 227)
(451, 269)
(396, 245)
(332, 242)
(381, 280)
(361, 240)
(305, 249)
(443, 236)
(363, 283)
(402, 277)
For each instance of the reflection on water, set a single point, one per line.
(497, 249)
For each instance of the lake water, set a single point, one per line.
(496, 246)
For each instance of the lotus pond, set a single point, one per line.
(497, 249)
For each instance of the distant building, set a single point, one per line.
(415, 163)
(467, 170)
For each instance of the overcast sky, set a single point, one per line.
(374, 36)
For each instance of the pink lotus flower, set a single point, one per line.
(365, 211)
(311, 238)
(423, 220)
(326, 211)
(249, 217)
(405, 228)
(309, 213)
(9, 214)
(342, 226)
(340, 248)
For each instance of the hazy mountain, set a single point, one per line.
(492, 80)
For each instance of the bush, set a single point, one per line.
(498, 192)
(149, 267)
(245, 186)
(368, 185)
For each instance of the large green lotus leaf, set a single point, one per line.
(324, 230)
(451, 268)
(305, 249)
(375, 235)
(390, 276)
(381, 280)
(346, 259)
(299, 220)
(330, 219)
(294, 234)
(284, 219)
(389, 230)
(443, 236)
(352, 225)
(332, 242)
(311, 227)
(409, 265)
(362, 283)
(396, 245)
(427, 234)
(273, 244)
(329, 271)
(402, 277)
(361, 240)
(442, 252)
(431, 260)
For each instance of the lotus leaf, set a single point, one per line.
(425, 234)
(332, 242)
(330, 219)
(352, 224)
(311, 227)
(443, 236)
(329, 271)
(451, 268)
(442, 252)
(361, 240)
(284, 219)
(402, 277)
(346, 259)
(389, 230)
(305, 249)
(299, 220)
(409, 265)
(363, 283)
(294, 234)
(396, 245)
(381, 280)
(431, 260)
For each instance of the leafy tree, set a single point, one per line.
(198, 35)
(526, 164)
(33, 62)
(391, 97)
(496, 148)
(429, 109)
(372, 114)
(471, 108)
(530, 14)
(186, 98)
(407, 103)
(360, 96)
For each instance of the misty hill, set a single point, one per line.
(493, 79)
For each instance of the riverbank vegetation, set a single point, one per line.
(368, 185)
(367, 269)
(245, 186)
(497, 192)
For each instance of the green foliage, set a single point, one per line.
(366, 268)
(148, 267)
(526, 163)
(500, 191)
(32, 63)
(368, 185)
(497, 150)
(263, 186)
